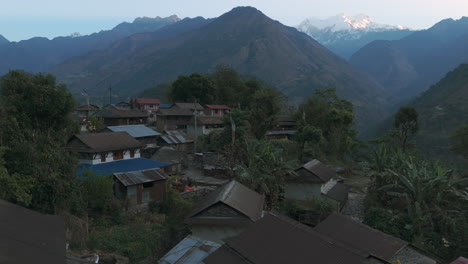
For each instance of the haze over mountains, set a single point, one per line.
(244, 39)
(39, 54)
(409, 66)
(345, 34)
(3, 40)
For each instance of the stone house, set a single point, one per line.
(226, 212)
(143, 134)
(140, 187)
(314, 179)
(216, 110)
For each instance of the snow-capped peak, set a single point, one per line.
(344, 22)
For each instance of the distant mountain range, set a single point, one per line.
(39, 54)
(344, 34)
(409, 66)
(3, 40)
(244, 39)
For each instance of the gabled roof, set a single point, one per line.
(208, 120)
(120, 113)
(128, 165)
(276, 239)
(102, 142)
(460, 260)
(338, 192)
(220, 107)
(360, 236)
(174, 111)
(28, 237)
(139, 177)
(90, 107)
(136, 131)
(189, 106)
(146, 100)
(238, 197)
(191, 250)
(314, 171)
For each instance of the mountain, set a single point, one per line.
(39, 54)
(3, 40)
(344, 34)
(442, 109)
(249, 42)
(409, 66)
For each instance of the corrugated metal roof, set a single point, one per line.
(190, 106)
(135, 131)
(139, 177)
(128, 165)
(191, 250)
(103, 142)
(338, 192)
(172, 132)
(236, 196)
(312, 171)
(276, 239)
(175, 139)
(360, 236)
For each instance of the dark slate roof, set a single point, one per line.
(146, 100)
(90, 107)
(276, 239)
(175, 139)
(191, 250)
(28, 237)
(120, 113)
(360, 236)
(338, 192)
(208, 120)
(109, 168)
(189, 106)
(235, 195)
(139, 177)
(314, 171)
(136, 131)
(460, 260)
(222, 107)
(174, 111)
(102, 142)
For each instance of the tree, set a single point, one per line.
(460, 141)
(307, 134)
(229, 86)
(334, 117)
(194, 87)
(37, 110)
(95, 124)
(264, 111)
(406, 125)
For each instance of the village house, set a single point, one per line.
(216, 110)
(143, 134)
(86, 110)
(122, 105)
(140, 187)
(119, 117)
(176, 140)
(29, 237)
(205, 125)
(226, 212)
(314, 179)
(276, 239)
(177, 116)
(286, 128)
(145, 104)
(371, 241)
(109, 152)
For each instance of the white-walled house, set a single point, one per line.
(315, 180)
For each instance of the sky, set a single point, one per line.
(23, 19)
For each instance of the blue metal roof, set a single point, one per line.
(165, 106)
(135, 131)
(191, 250)
(128, 165)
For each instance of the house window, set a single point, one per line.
(216, 111)
(148, 184)
(132, 153)
(103, 157)
(117, 155)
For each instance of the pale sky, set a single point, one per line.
(23, 19)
